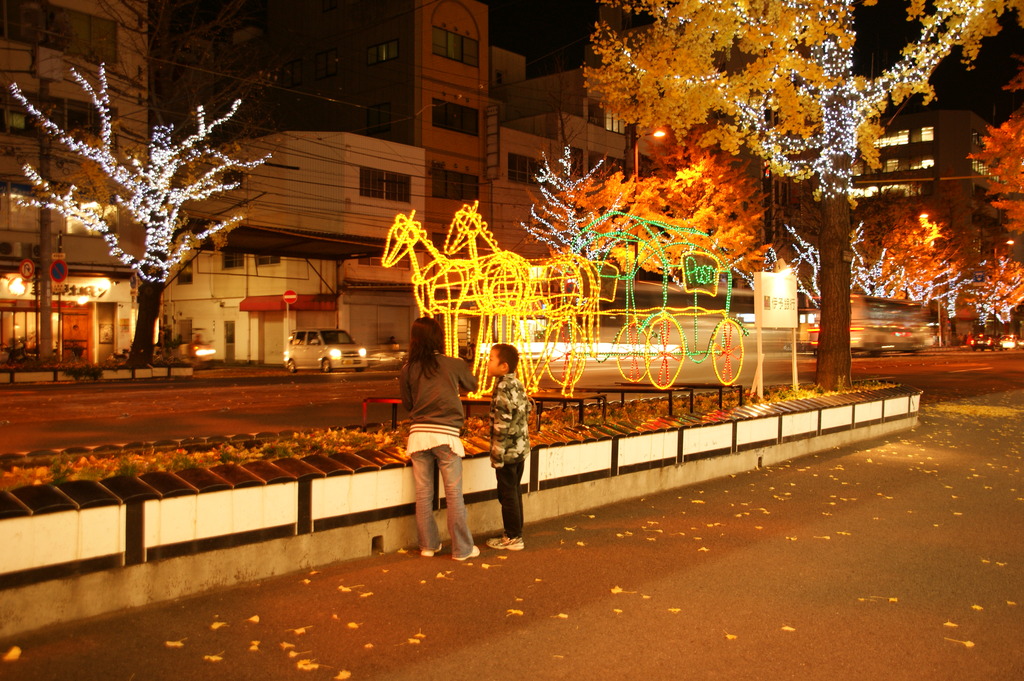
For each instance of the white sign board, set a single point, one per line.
(775, 307)
(775, 301)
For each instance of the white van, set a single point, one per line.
(323, 349)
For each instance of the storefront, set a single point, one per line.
(93, 317)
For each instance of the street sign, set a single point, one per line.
(58, 271)
(291, 297)
(27, 268)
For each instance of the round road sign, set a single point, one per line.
(291, 297)
(58, 271)
(27, 268)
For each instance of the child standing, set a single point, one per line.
(429, 384)
(510, 442)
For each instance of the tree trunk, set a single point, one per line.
(149, 297)
(834, 361)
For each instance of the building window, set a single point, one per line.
(382, 52)
(456, 117)
(14, 215)
(892, 165)
(378, 118)
(523, 169)
(232, 261)
(448, 184)
(94, 38)
(979, 167)
(922, 163)
(598, 116)
(291, 73)
(383, 184)
(894, 139)
(268, 259)
(976, 138)
(928, 133)
(455, 46)
(185, 273)
(325, 64)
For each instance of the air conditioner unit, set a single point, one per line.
(29, 250)
(6, 248)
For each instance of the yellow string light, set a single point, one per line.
(550, 309)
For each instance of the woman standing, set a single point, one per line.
(429, 385)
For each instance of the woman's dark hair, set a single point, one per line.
(426, 342)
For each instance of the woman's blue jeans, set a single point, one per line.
(450, 465)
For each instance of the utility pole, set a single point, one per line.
(47, 66)
(45, 326)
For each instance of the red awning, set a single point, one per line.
(320, 301)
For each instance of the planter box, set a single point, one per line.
(115, 374)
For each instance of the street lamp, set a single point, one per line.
(633, 140)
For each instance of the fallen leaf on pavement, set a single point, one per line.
(169, 644)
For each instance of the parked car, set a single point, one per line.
(1010, 342)
(323, 349)
(980, 341)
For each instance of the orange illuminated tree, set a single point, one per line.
(1003, 152)
(701, 189)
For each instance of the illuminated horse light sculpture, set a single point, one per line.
(563, 291)
(443, 287)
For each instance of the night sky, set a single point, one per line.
(553, 33)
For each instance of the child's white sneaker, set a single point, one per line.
(510, 543)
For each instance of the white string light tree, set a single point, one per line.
(565, 217)
(151, 186)
(780, 74)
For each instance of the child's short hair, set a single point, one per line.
(507, 354)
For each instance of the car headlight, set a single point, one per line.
(362, 352)
(335, 353)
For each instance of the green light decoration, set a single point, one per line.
(656, 341)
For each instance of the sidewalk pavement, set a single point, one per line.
(897, 560)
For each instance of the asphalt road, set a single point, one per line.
(231, 401)
(897, 560)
